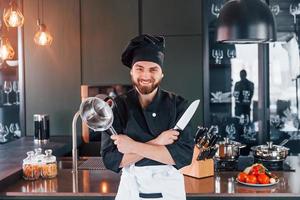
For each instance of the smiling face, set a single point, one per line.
(146, 76)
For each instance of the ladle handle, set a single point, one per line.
(112, 131)
(284, 142)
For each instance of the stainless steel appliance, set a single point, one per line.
(228, 150)
(270, 155)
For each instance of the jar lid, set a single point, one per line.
(49, 158)
(29, 158)
(38, 156)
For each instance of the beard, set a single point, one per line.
(146, 89)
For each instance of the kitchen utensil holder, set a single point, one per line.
(199, 168)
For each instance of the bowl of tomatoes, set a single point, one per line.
(257, 175)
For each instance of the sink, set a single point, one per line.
(66, 162)
(84, 163)
(62, 164)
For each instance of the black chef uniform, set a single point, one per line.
(146, 124)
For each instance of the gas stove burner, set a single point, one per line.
(271, 165)
(226, 165)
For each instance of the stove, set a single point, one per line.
(226, 165)
(246, 161)
(275, 165)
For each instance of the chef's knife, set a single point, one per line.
(187, 115)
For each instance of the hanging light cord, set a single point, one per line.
(42, 11)
(38, 12)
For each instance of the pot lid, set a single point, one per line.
(228, 142)
(269, 148)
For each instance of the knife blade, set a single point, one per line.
(187, 115)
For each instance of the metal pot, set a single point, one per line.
(228, 150)
(270, 152)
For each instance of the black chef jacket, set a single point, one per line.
(143, 125)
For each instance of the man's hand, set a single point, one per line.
(124, 143)
(166, 137)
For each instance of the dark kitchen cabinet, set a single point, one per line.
(171, 17)
(106, 28)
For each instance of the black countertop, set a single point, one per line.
(103, 184)
(13, 153)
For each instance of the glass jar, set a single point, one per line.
(38, 155)
(49, 165)
(31, 168)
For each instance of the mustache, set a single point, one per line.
(142, 79)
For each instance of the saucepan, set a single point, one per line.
(271, 152)
(228, 150)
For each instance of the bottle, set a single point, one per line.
(31, 169)
(49, 165)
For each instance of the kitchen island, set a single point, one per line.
(103, 184)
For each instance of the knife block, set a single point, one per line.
(199, 168)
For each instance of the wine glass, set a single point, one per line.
(12, 128)
(7, 87)
(2, 133)
(275, 9)
(16, 89)
(231, 131)
(217, 54)
(231, 53)
(236, 95)
(215, 9)
(246, 96)
(17, 132)
(295, 10)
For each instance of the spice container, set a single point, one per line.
(49, 165)
(31, 169)
(38, 156)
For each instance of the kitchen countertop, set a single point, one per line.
(13, 153)
(103, 184)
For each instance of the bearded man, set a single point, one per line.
(147, 149)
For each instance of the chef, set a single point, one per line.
(147, 149)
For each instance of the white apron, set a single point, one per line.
(159, 182)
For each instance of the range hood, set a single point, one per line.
(246, 21)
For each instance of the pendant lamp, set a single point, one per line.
(246, 21)
(12, 16)
(42, 36)
(6, 50)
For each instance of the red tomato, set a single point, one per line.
(251, 179)
(263, 179)
(257, 169)
(242, 176)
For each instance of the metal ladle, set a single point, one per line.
(98, 116)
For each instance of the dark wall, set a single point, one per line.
(181, 23)
(106, 28)
(89, 36)
(52, 73)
